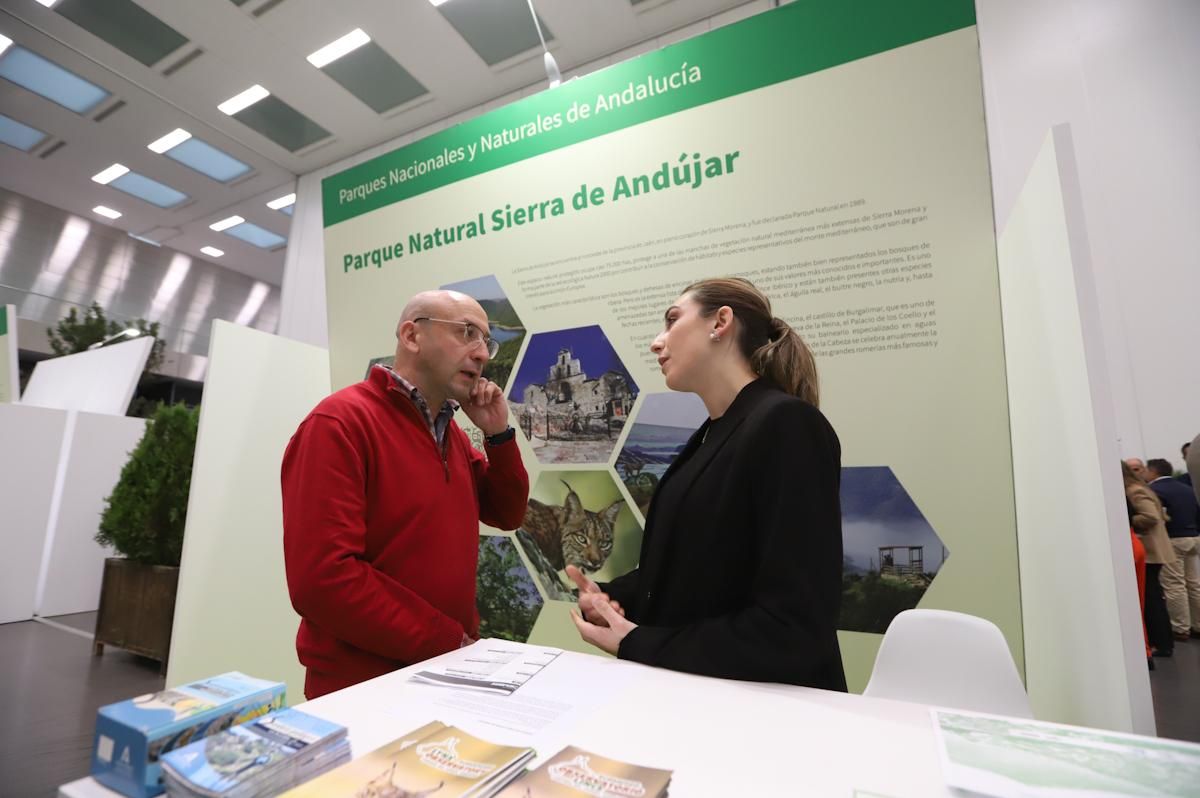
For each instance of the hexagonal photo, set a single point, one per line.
(507, 600)
(578, 518)
(890, 553)
(660, 430)
(505, 326)
(572, 395)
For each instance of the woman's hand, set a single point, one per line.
(589, 595)
(608, 636)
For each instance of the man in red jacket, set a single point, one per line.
(382, 498)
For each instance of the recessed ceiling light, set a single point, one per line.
(172, 139)
(226, 223)
(437, 3)
(48, 3)
(110, 174)
(282, 202)
(108, 212)
(212, 252)
(244, 100)
(335, 50)
(5, 42)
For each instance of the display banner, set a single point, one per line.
(10, 385)
(834, 154)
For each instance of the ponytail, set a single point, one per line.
(774, 350)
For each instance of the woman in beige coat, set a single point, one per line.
(1149, 523)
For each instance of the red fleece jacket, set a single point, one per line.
(381, 532)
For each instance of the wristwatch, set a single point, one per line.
(500, 437)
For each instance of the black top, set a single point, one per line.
(1180, 502)
(741, 564)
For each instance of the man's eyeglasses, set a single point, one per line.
(472, 336)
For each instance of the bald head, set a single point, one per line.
(441, 305)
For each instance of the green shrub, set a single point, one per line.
(74, 334)
(146, 512)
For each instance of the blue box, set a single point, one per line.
(131, 736)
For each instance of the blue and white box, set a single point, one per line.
(132, 736)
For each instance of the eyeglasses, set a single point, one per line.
(472, 336)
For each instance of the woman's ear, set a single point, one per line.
(723, 320)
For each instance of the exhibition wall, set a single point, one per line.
(835, 156)
(1083, 627)
(259, 388)
(98, 381)
(10, 383)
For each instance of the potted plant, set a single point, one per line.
(144, 522)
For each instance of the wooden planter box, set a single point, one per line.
(137, 608)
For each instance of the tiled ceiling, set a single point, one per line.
(87, 84)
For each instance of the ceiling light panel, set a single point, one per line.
(258, 236)
(41, 76)
(281, 123)
(208, 160)
(226, 223)
(496, 29)
(5, 43)
(108, 213)
(126, 26)
(172, 139)
(19, 135)
(335, 50)
(212, 252)
(148, 190)
(110, 174)
(282, 202)
(374, 77)
(243, 100)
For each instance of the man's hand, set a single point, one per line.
(486, 407)
(609, 636)
(589, 596)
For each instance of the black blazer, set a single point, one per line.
(741, 578)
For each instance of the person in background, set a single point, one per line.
(1193, 466)
(1146, 518)
(1181, 581)
(1186, 476)
(740, 574)
(383, 495)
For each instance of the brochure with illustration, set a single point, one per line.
(575, 773)
(995, 755)
(132, 736)
(436, 760)
(264, 757)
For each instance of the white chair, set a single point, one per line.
(949, 659)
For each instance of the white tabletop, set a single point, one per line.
(719, 737)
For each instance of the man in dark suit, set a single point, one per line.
(1180, 580)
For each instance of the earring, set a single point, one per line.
(714, 337)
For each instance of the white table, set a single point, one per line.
(720, 738)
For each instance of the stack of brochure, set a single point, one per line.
(265, 757)
(435, 759)
(574, 773)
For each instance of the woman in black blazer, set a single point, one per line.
(740, 574)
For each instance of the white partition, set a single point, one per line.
(100, 447)
(32, 439)
(232, 610)
(100, 381)
(1084, 654)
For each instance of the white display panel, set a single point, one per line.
(32, 439)
(99, 448)
(1084, 651)
(232, 610)
(100, 381)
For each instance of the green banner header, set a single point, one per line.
(794, 40)
(3, 320)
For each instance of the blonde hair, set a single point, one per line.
(772, 347)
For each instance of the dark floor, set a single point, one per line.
(51, 687)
